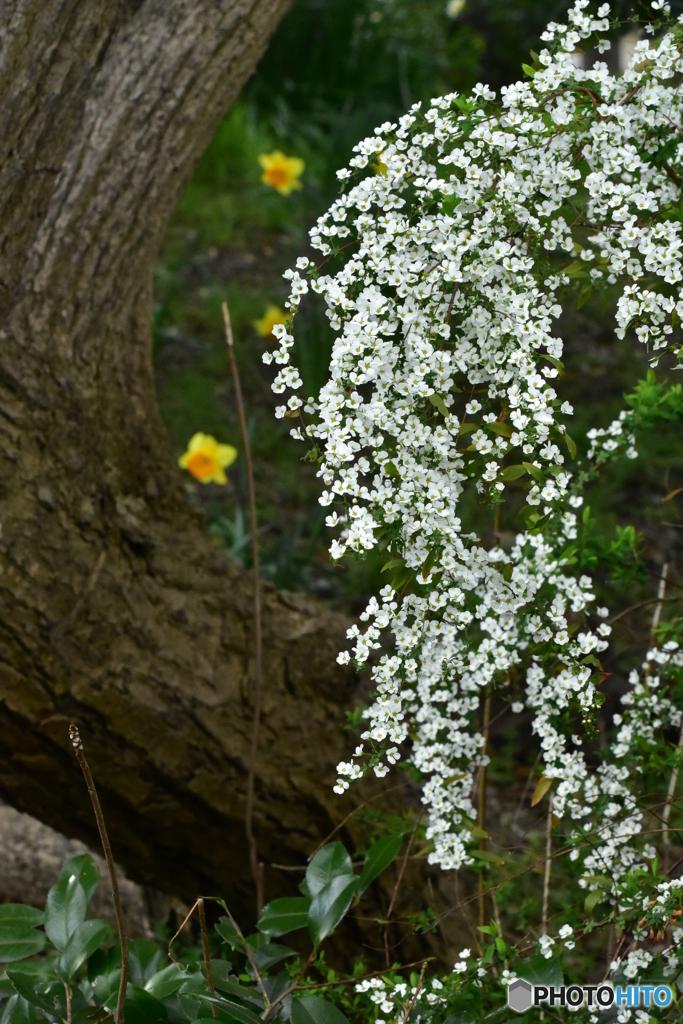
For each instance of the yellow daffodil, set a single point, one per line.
(273, 315)
(281, 172)
(207, 460)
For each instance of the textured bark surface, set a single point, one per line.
(115, 607)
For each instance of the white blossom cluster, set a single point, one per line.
(460, 232)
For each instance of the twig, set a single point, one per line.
(291, 988)
(481, 816)
(205, 951)
(188, 915)
(548, 864)
(75, 738)
(395, 892)
(256, 866)
(642, 604)
(417, 992)
(250, 958)
(68, 1002)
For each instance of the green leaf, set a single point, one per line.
(329, 906)
(19, 941)
(27, 984)
(82, 943)
(145, 960)
(390, 470)
(20, 913)
(233, 1010)
(540, 971)
(22, 1012)
(584, 295)
(528, 70)
(330, 861)
(465, 428)
(487, 856)
(393, 564)
(460, 1018)
(512, 472)
(592, 899)
(85, 871)
(534, 471)
(542, 787)
(438, 402)
(284, 915)
(378, 857)
(504, 429)
(271, 953)
(142, 1007)
(65, 909)
(557, 363)
(571, 445)
(314, 1010)
(228, 933)
(166, 982)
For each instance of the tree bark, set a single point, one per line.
(116, 608)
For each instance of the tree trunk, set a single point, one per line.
(116, 608)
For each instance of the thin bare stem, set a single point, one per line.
(250, 958)
(75, 738)
(205, 951)
(290, 988)
(395, 892)
(548, 865)
(417, 992)
(256, 866)
(481, 817)
(68, 1002)
(188, 915)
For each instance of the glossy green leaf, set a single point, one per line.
(165, 982)
(228, 933)
(571, 445)
(503, 429)
(284, 915)
(534, 471)
(329, 906)
(88, 937)
(23, 1012)
(65, 909)
(143, 1008)
(329, 862)
(19, 941)
(20, 913)
(145, 961)
(233, 1010)
(84, 870)
(512, 472)
(314, 1010)
(270, 954)
(27, 985)
(378, 857)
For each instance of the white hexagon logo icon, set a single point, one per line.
(520, 995)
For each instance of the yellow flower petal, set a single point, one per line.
(206, 459)
(281, 172)
(273, 315)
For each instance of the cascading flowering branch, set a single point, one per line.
(461, 232)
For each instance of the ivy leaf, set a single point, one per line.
(377, 859)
